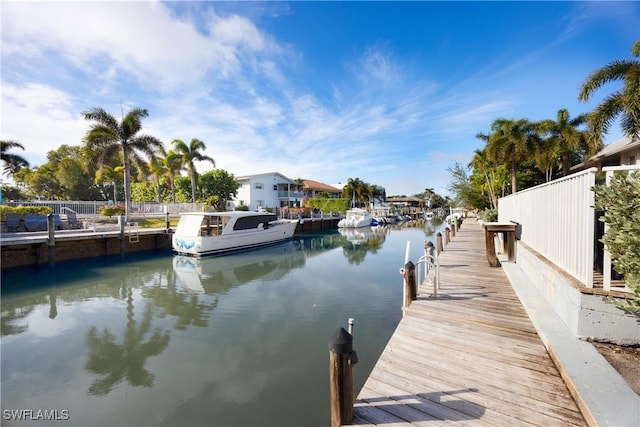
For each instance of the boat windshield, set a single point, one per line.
(189, 225)
(201, 225)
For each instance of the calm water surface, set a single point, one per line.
(240, 340)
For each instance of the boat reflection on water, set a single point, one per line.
(216, 274)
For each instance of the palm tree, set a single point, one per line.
(189, 154)
(12, 162)
(565, 137)
(112, 175)
(157, 169)
(355, 189)
(106, 137)
(481, 163)
(624, 103)
(510, 143)
(173, 165)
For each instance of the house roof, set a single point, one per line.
(609, 150)
(249, 177)
(405, 199)
(619, 146)
(319, 186)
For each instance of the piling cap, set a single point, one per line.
(341, 342)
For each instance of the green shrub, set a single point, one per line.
(111, 211)
(620, 202)
(489, 215)
(23, 210)
(242, 208)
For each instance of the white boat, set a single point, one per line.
(428, 216)
(356, 218)
(212, 233)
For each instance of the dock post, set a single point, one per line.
(167, 221)
(51, 241)
(410, 290)
(453, 230)
(447, 237)
(121, 224)
(439, 243)
(341, 392)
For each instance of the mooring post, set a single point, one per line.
(410, 290)
(121, 223)
(51, 241)
(429, 248)
(453, 229)
(167, 221)
(447, 237)
(341, 392)
(439, 243)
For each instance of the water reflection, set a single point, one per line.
(223, 333)
(124, 362)
(217, 274)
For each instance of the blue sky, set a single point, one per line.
(392, 93)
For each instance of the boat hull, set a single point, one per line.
(233, 240)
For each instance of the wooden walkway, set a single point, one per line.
(469, 357)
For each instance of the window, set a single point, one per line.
(258, 185)
(275, 187)
(632, 160)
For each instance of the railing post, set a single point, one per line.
(439, 243)
(341, 392)
(447, 237)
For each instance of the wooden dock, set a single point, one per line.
(469, 357)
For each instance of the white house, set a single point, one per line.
(267, 191)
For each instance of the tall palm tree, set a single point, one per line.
(12, 162)
(189, 154)
(481, 163)
(355, 189)
(565, 137)
(157, 169)
(173, 165)
(624, 103)
(106, 136)
(510, 143)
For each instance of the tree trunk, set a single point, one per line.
(514, 177)
(565, 164)
(127, 183)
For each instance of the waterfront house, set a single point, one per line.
(270, 190)
(313, 188)
(623, 152)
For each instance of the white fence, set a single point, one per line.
(558, 221)
(90, 209)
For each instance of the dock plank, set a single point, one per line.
(471, 356)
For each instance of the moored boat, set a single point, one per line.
(212, 233)
(355, 218)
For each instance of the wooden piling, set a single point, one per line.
(453, 230)
(121, 223)
(51, 241)
(447, 237)
(341, 392)
(410, 289)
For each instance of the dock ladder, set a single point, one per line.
(133, 232)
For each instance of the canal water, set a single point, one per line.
(239, 340)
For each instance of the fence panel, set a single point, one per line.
(558, 221)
